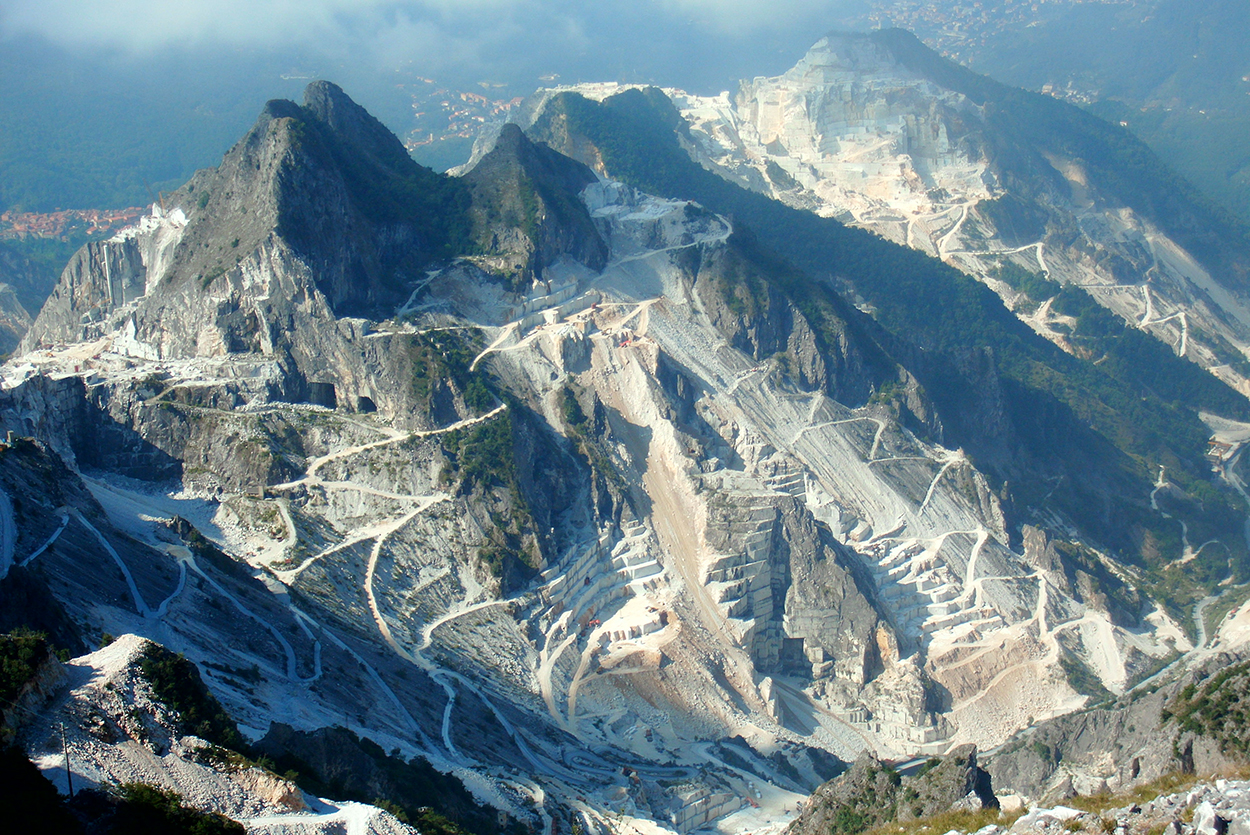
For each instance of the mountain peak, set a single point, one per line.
(325, 182)
(348, 121)
(526, 209)
(511, 137)
(281, 109)
(325, 96)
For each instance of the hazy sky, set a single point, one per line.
(145, 23)
(106, 100)
(507, 38)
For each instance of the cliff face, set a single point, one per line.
(880, 132)
(1192, 722)
(558, 477)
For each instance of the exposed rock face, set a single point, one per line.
(120, 729)
(576, 525)
(1221, 806)
(48, 678)
(102, 277)
(1133, 741)
(106, 275)
(316, 214)
(849, 123)
(1040, 553)
(759, 321)
(304, 221)
(877, 131)
(1213, 807)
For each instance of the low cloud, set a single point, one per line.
(147, 24)
(742, 17)
(703, 44)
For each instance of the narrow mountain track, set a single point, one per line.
(291, 669)
(547, 662)
(928, 496)
(163, 609)
(370, 571)
(305, 624)
(394, 436)
(507, 331)
(944, 241)
(379, 533)
(56, 534)
(140, 605)
(876, 438)
(970, 576)
(1200, 621)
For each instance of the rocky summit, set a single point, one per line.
(617, 484)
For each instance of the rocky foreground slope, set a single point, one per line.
(128, 715)
(1217, 806)
(573, 491)
(1156, 759)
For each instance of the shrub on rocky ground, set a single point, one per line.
(177, 684)
(21, 653)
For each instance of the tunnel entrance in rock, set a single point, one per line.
(323, 394)
(793, 657)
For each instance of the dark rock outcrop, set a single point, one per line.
(526, 212)
(338, 762)
(872, 793)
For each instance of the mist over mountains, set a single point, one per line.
(194, 83)
(1172, 69)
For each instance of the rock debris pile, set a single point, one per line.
(1218, 808)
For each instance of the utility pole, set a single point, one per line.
(69, 775)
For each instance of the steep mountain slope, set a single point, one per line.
(524, 212)
(880, 131)
(556, 483)
(871, 794)
(112, 712)
(1151, 760)
(1025, 411)
(1174, 70)
(353, 218)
